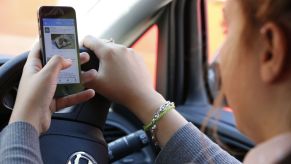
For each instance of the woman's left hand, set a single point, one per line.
(35, 101)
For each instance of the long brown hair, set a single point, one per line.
(258, 12)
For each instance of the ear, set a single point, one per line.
(274, 55)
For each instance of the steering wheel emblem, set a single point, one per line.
(81, 157)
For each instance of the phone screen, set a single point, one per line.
(60, 38)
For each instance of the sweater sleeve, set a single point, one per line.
(189, 145)
(19, 144)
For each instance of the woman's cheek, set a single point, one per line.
(228, 68)
(224, 63)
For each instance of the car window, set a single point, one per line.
(216, 27)
(18, 19)
(147, 47)
(217, 30)
(18, 28)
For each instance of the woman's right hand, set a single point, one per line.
(123, 77)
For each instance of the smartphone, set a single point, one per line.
(58, 36)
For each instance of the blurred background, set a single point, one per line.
(19, 29)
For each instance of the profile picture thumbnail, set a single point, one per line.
(47, 30)
(63, 41)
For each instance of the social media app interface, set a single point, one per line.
(60, 39)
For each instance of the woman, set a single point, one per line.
(256, 54)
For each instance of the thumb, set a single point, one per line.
(55, 65)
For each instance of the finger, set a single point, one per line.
(88, 76)
(34, 52)
(84, 57)
(33, 63)
(55, 65)
(96, 45)
(74, 99)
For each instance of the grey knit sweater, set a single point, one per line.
(19, 144)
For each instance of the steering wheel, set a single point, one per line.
(75, 134)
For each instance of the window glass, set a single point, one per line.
(147, 46)
(216, 27)
(217, 30)
(18, 19)
(18, 28)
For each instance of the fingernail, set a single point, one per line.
(93, 71)
(69, 60)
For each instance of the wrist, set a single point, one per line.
(145, 107)
(19, 116)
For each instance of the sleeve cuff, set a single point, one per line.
(190, 145)
(20, 143)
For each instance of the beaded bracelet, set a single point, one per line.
(164, 109)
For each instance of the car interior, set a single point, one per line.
(182, 75)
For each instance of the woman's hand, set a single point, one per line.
(34, 102)
(123, 78)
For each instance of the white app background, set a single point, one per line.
(61, 40)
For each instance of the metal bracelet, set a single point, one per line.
(157, 116)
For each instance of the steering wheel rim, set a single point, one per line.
(10, 74)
